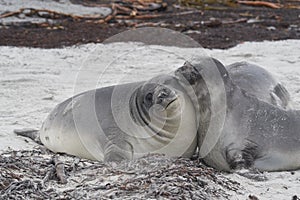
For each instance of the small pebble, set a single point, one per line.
(252, 197)
(271, 28)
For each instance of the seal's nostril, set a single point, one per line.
(162, 95)
(159, 100)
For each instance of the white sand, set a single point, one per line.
(33, 81)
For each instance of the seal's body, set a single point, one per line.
(258, 82)
(124, 122)
(253, 133)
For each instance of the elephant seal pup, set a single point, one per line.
(258, 82)
(253, 135)
(124, 122)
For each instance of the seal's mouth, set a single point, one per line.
(172, 102)
(168, 103)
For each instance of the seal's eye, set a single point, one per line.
(149, 97)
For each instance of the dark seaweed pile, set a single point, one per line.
(40, 174)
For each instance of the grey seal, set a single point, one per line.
(124, 121)
(257, 81)
(254, 134)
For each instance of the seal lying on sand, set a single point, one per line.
(258, 82)
(252, 134)
(124, 122)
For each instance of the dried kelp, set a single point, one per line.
(222, 4)
(40, 174)
(127, 9)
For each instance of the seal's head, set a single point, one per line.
(165, 117)
(157, 94)
(158, 104)
(156, 99)
(211, 84)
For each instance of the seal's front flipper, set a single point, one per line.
(243, 157)
(241, 161)
(252, 173)
(29, 133)
(234, 158)
(283, 96)
(116, 151)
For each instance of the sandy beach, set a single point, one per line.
(34, 80)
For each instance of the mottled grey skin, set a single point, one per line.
(256, 134)
(258, 82)
(124, 122)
